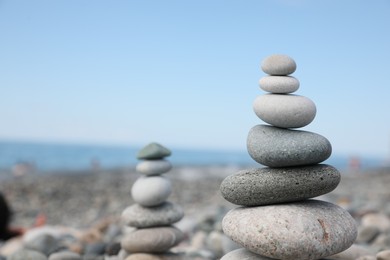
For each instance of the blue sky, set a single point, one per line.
(185, 73)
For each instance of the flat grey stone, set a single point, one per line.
(309, 229)
(278, 147)
(152, 240)
(162, 215)
(285, 110)
(278, 65)
(153, 151)
(243, 254)
(279, 84)
(27, 254)
(154, 167)
(65, 255)
(151, 191)
(264, 186)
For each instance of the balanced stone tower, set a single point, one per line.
(278, 220)
(152, 215)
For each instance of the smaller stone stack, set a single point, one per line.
(152, 214)
(278, 219)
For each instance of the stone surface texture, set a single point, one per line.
(264, 186)
(152, 240)
(285, 110)
(309, 229)
(278, 147)
(162, 215)
(278, 65)
(279, 84)
(151, 190)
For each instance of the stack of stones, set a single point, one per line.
(278, 220)
(152, 215)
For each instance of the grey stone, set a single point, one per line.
(285, 110)
(27, 254)
(162, 215)
(243, 254)
(151, 191)
(279, 84)
(165, 256)
(153, 151)
(152, 240)
(154, 167)
(65, 255)
(97, 248)
(309, 229)
(264, 186)
(44, 243)
(278, 65)
(113, 248)
(278, 147)
(367, 234)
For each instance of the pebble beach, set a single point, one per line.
(83, 209)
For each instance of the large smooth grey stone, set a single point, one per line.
(284, 110)
(152, 240)
(65, 255)
(278, 65)
(27, 254)
(151, 191)
(153, 167)
(308, 229)
(278, 147)
(279, 84)
(243, 254)
(264, 186)
(162, 215)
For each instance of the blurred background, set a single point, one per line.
(88, 83)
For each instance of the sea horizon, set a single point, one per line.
(55, 156)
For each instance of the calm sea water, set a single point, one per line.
(50, 157)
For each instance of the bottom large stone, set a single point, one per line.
(309, 229)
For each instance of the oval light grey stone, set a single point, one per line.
(309, 229)
(151, 191)
(278, 65)
(279, 84)
(152, 240)
(264, 186)
(285, 110)
(162, 215)
(243, 254)
(278, 147)
(153, 167)
(153, 151)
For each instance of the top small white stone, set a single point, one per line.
(278, 65)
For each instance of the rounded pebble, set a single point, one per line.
(244, 254)
(65, 255)
(153, 167)
(151, 191)
(309, 229)
(264, 186)
(278, 65)
(279, 84)
(152, 240)
(286, 111)
(383, 255)
(277, 147)
(162, 215)
(379, 220)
